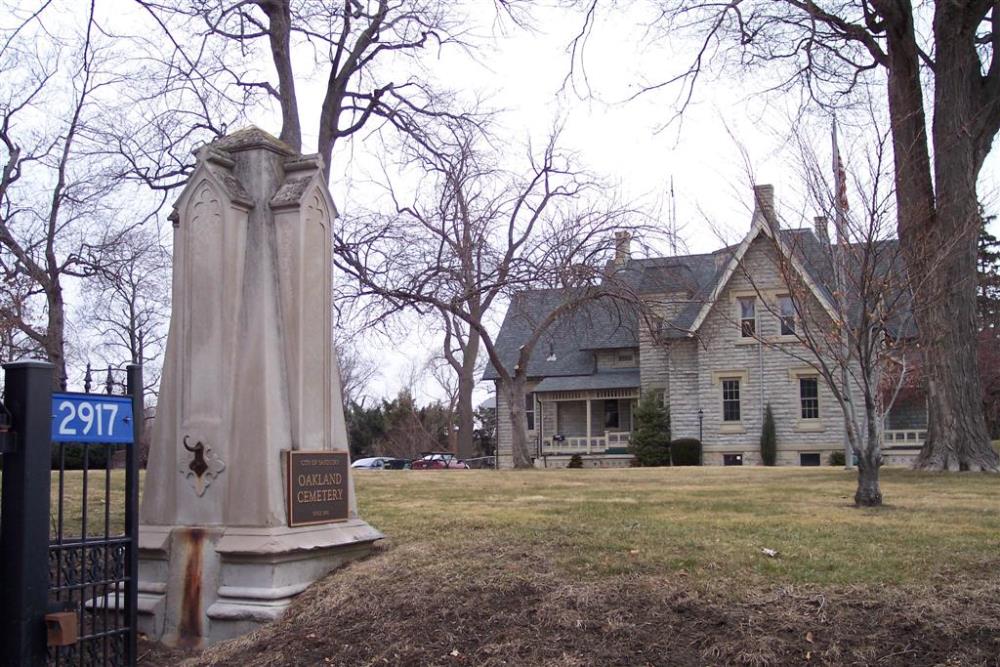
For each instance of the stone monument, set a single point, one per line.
(248, 496)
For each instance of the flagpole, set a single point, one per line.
(839, 253)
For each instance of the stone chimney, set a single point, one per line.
(763, 204)
(820, 224)
(623, 251)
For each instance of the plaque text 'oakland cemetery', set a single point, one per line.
(317, 487)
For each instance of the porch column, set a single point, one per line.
(588, 426)
(540, 424)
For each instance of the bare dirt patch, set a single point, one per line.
(404, 608)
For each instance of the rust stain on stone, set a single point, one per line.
(189, 630)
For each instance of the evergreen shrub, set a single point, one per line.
(768, 439)
(650, 442)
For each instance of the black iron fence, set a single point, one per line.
(68, 533)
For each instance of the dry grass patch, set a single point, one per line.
(635, 567)
(702, 522)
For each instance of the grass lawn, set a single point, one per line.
(704, 523)
(98, 489)
(653, 567)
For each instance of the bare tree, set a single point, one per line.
(357, 370)
(59, 187)
(478, 236)
(849, 305)
(836, 50)
(126, 302)
(17, 306)
(356, 46)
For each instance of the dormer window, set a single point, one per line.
(748, 317)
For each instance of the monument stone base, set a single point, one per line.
(234, 579)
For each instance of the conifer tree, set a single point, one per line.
(768, 439)
(651, 438)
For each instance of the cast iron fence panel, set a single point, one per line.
(70, 521)
(93, 553)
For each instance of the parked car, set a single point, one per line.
(372, 463)
(439, 461)
(381, 463)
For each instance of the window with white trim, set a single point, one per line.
(730, 400)
(748, 316)
(529, 410)
(786, 315)
(809, 397)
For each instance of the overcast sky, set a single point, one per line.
(629, 143)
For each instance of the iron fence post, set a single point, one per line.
(135, 388)
(24, 526)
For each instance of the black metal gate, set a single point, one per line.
(69, 527)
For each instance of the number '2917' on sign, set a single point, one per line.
(91, 418)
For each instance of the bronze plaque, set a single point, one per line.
(317, 487)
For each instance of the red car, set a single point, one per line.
(438, 461)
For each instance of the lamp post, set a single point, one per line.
(701, 447)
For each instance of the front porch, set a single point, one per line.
(587, 422)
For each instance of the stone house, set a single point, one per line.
(720, 346)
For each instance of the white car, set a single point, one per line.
(376, 463)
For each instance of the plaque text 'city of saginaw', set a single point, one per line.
(317, 487)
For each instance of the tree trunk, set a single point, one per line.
(466, 383)
(938, 248)
(279, 32)
(957, 438)
(514, 389)
(869, 494)
(55, 345)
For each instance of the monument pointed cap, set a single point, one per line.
(251, 138)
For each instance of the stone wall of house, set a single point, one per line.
(505, 457)
(682, 392)
(654, 358)
(654, 363)
(769, 373)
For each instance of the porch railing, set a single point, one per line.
(598, 444)
(904, 437)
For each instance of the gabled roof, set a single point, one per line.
(761, 227)
(691, 285)
(565, 348)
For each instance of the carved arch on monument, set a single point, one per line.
(204, 299)
(317, 322)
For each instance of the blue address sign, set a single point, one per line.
(92, 418)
